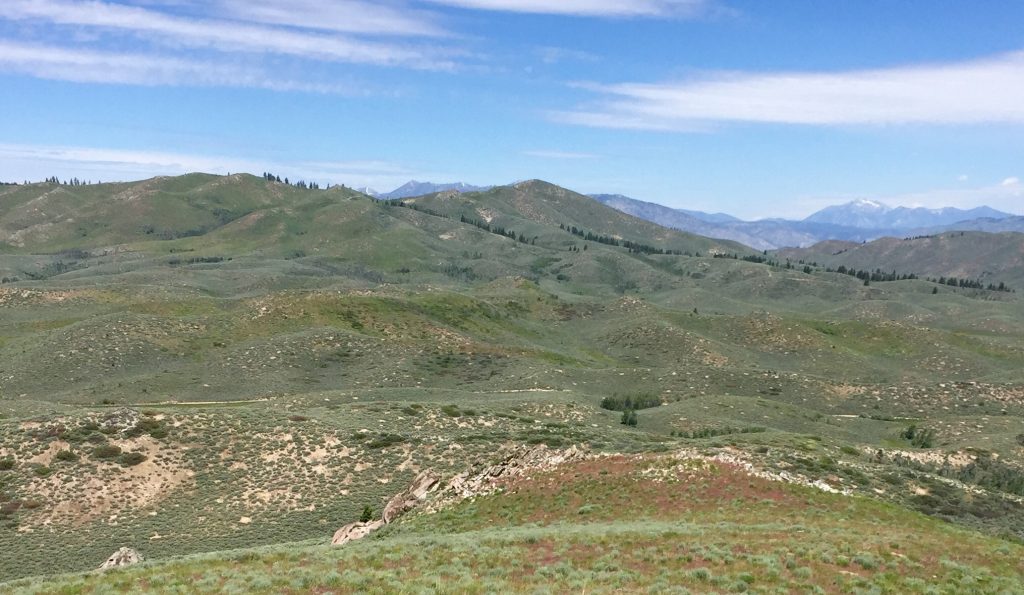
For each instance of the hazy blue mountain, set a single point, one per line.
(858, 221)
(662, 211)
(989, 224)
(869, 214)
(414, 188)
(767, 234)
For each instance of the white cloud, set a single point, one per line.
(86, 66)
(1010, 182)
(559, 155)
(221, 35)
(980, 91)
(347, 16)
(590, 8)
(35, 162)
(962, 178)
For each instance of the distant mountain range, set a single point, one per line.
(414, 188)
(869, 214)
(857, 221)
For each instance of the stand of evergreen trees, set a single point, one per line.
(970, 284)
(630, 403)
(495, 229)
(71, 182)
(300, 184)
(610, 241)
(873, 276)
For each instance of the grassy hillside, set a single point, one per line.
(670, 524)
(534, 207)
(259, 374)
(989, 257)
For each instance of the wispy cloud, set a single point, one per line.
(85, 66)
(559, 155)
(980, 91)
(590, 8)
(36, 162)
(554, 55)
(348, 16)
(221, 35)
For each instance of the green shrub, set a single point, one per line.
(147, 425)
(106, 451)
(7, 463)
(367, 515)
(66, 456)
(919, 437)
(130, 459)
(42, 470)
(700, 574)
(385, 440)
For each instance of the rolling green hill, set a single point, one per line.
(197, 364)
(989, 257)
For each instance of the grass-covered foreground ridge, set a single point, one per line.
(692, 521)
(198, 365)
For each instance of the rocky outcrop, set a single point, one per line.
(399, 504)
(354, 531)
(125, 556)
(412, 496)
(485, 479)
(482, 479)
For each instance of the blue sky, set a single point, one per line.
(759, 109)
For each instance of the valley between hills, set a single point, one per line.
(219, 372)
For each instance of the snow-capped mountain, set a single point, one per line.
(414, 188)
(859, 221)
(870, 214)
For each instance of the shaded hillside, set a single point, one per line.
(986, 224)
(536, 204)
(991, 258)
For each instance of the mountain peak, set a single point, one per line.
(417, 188)
(865, 203)
(871, 214)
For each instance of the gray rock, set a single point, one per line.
(125, 556)
(417, 491)
(354, 531)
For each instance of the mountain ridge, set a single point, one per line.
(849, 222)
(415, 188)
